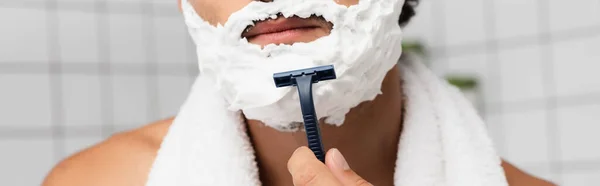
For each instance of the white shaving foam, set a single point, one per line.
(364, 44)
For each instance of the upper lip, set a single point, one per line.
(279, 25)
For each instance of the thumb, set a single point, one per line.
(341, 170)
(307, 170)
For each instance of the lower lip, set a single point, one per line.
(283, 37)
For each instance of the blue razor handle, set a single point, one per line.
(303, 80)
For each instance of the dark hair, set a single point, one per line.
(408, 11)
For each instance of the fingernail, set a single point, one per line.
(339, 160)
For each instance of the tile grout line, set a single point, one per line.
(55, 80)
(192, 73)
(74, 6)
(549, 84)
(595, 31)
(438, 20)
(105, 73)
(95, 69)
(539, 104)
(493, 68)
(149, 34)
(515, 42)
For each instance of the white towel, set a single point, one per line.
(444, 142)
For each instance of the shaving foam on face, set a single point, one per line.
(363, 45)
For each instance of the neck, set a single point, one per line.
(368, 139)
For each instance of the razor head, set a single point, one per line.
(322, 73)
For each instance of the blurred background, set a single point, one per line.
(73, 72)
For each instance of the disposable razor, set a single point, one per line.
(303, 80)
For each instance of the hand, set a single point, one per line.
(307, 170)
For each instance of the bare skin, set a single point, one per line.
(125, 159)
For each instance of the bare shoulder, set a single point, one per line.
(517, 177)
(124, 159)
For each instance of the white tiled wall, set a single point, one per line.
(567, 15)
(82, 106)
(577, 128)
(78, 36)
(74, 71)
(25, 161)
(130, 103)
(25, 104)
(126, 38)
(166, 37)
(576, 64)
(524, 79)
(456, 17)
(582, 178)
(23, 42)
(170, 94)
(522, 19)
(538, 63)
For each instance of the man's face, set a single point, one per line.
(218, 11)
(242, 43)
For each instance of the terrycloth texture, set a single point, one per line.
(444, 142)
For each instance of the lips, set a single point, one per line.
(286, 30)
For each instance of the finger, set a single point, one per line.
(307, 170)
(341, 170)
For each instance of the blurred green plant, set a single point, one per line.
(414, 47)
(462, 81)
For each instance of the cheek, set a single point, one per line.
(205, 9)
(346, 2)
(217, 11)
